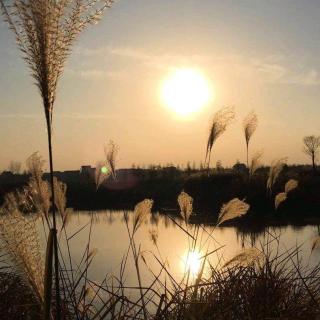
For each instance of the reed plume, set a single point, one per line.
(60, 190)
(153, 235)
(101, 173)
(185, 203)
(21, 242)
(220, 122)
(279, 198)
(141, 211)
(250, 124)
(233, 209)
(275, 169)
(111, 152)
(282, 196)
(246, 258)
(38, 189)
(290, 185)
(315, 243)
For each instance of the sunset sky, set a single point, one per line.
(256, 55)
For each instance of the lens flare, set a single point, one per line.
(104, 170)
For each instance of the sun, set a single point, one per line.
(192, 262)
(186, 91)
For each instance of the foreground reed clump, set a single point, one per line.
(279, 288)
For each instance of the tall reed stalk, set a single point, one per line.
(45, 31)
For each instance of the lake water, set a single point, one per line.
(109, 235)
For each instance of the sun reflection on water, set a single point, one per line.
(192, 262)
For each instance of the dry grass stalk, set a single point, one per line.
(141, 211)
(250, 124)
(185, 203)
(290, 185)
(111, 152)
(255, 163)
(233, 209)
(220, 122)
(280, 197)
(275, 169)
(246, 258)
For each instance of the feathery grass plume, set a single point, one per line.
(35, 165)
(275, 169)
(255, 163)
(280, 197)
(233, 209)
(45, 32)
(315, 243)
(153, 235)
(141, 211)
(246, 258)
(101, 173)
(220, 122)
(60, 199)
(111, 152)
(250, 123)
(18, 200)
(39, 190)
(185, 203)
(21, 242)
(290, 185)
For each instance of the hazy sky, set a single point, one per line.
(262, 55)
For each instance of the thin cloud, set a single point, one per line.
(19, 115)
(269, 69)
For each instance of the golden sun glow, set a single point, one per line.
(192, 262)
(186, 91)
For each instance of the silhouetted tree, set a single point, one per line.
(311, 148)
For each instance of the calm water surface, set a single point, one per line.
(110, 237)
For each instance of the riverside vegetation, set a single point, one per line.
(258, 283)
(255, 284)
